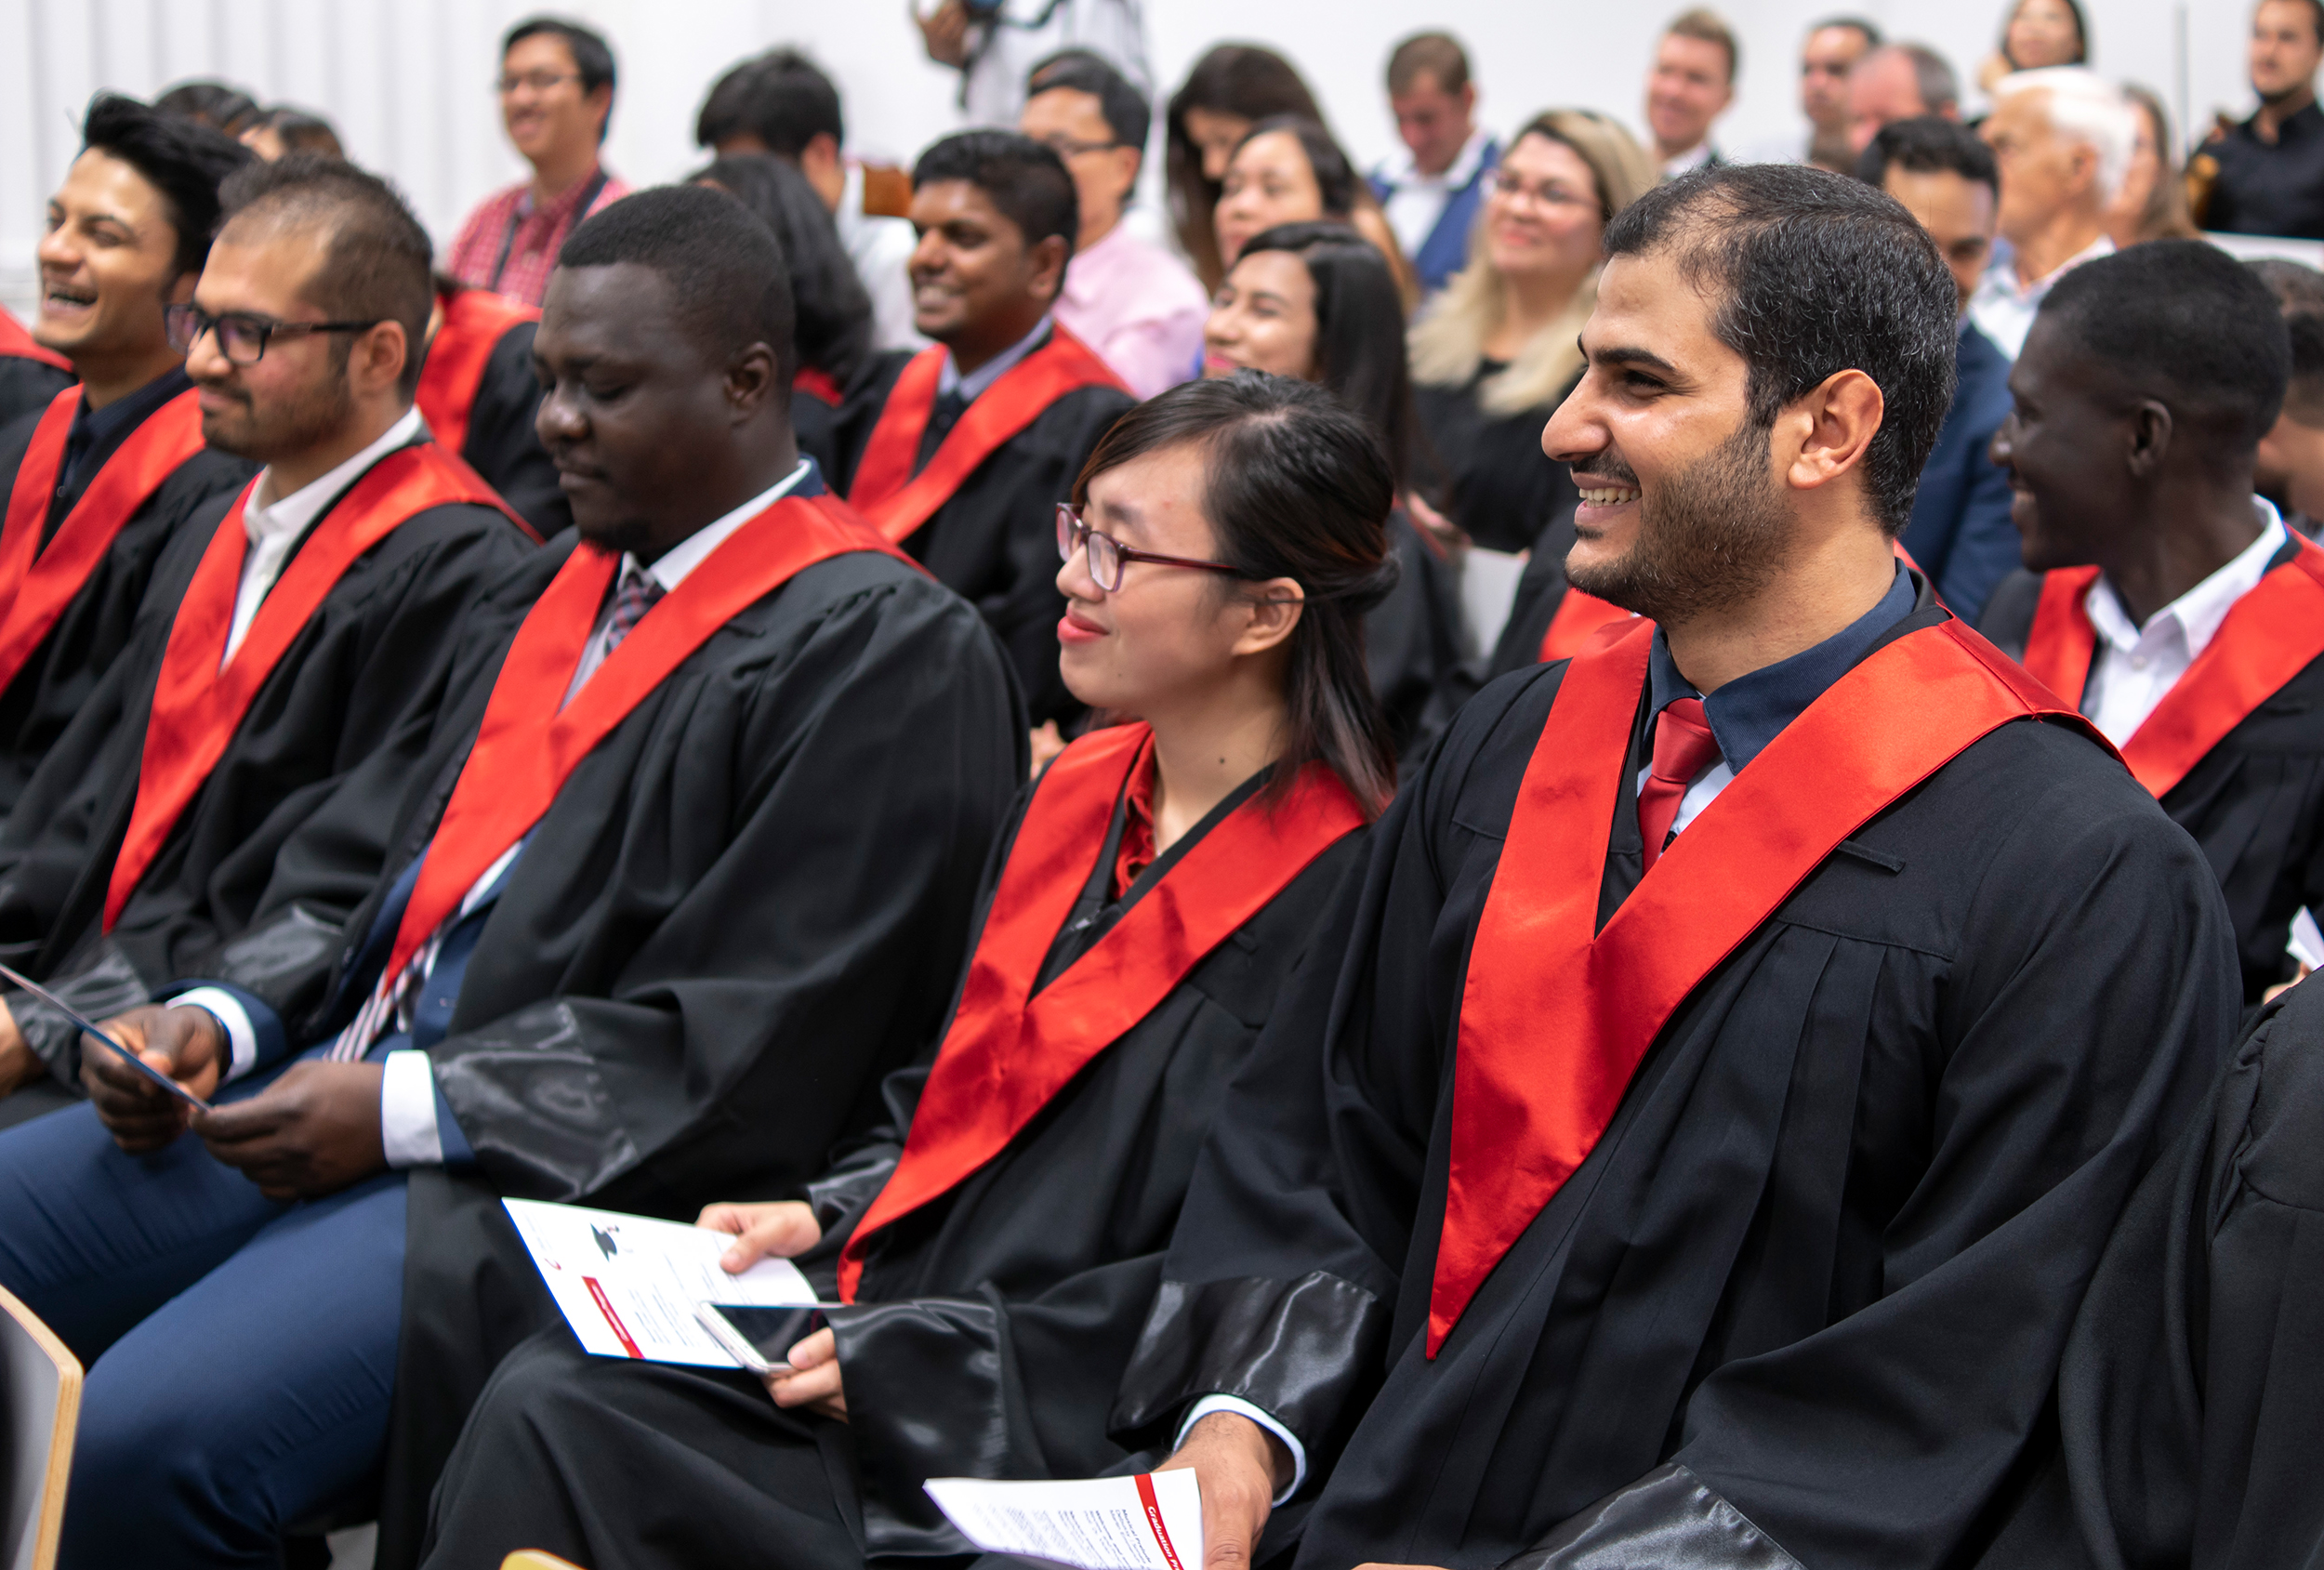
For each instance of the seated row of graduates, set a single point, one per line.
(459, 868)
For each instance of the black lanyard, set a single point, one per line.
(516, 217)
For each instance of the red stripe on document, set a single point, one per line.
(621, 1332)
(1154, 1520)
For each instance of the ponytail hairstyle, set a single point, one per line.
(1297, 487)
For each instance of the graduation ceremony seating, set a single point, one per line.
(42, 1384)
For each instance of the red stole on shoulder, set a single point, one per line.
(1006, 1051)
(474, 323)
(16, 343)
(197, 705)
(527, 745)
(2269, 636)
(816, 384)
(1555, 1015)
(1579, 615)
(38, 583)
(895, 499)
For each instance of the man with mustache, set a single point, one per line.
(1740, 1052)
(2164, 598)
(960, 453)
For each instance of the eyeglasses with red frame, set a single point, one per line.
(1108, 556)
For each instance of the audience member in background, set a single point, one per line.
(477, 394)
(2152, 203)
(1960, 535)
(2289, 470)
(228, 111)
(283, 129)
(31, 377)
(1289, 170)
(960, 454)
(1899, 82)
(100, 481)
(1828, 59)
(2267, 173)
(994, 45)
(2036, 35)
(782, 103)
(556, 97)
(2061, 138)
(1690, 87)
(292, 631)
(1433, 193)
(1137, 305)
(1316, 301)
(832, 319)
(999, 1241)
(2143, 394)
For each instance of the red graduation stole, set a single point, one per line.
(1006, 1052)
(895, 499)
(527, 745)
(17, 344)
(2269, 636)
(1579, 615)
(474, 323)
(818, 384)
(39, 584)
(1556, 1016)
(197, 706)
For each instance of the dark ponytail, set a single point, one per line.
(1298, 488)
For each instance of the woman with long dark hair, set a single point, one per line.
(999, 1242)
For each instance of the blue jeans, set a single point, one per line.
(245, 1350)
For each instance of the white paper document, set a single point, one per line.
(1150, 1522)
(629, 1285)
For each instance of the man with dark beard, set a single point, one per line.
(1739, 1053)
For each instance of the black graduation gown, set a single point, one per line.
(501, 444)
(2191, 1397)
(1825, 1255)
(28, 387)
(1540, 590)
(815, 422)
(63, 672)
(995, 541)
(1495, 481)
(1412, 639)
(991, 1326)
(358, 685)
(2255, 803)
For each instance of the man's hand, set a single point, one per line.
(944, 33)
(814, 1383)
(1239, 1468)
(19, 1065)
(311, 1132)
(780, 1230)
(188, 1045)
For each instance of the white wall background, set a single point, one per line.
(407, 81)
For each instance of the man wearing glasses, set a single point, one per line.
(556, 92)
(1140, 307)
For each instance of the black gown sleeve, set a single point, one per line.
(28, 387)
(2007, 621)
(502, 444)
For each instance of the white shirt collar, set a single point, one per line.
(2196, 614)
(2004, 278)
(972, 386)
(1456, 173)
(288, 517)
(1692, 159)
(671, 569)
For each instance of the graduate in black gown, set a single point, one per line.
(293, 630)
(960, 453)
(2164, 598)
(128, 230)
(477, 394)
(1749, 1029)
(1316, 301)
(31, 376)
(653, 927)
(1000, 1238)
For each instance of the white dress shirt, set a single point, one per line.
(2003, 308)
(1691, 160)
(276, 526)
(2136, 666)
(1416, 200)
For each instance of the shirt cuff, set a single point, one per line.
(2306, 943)
(1265, 1419)
(408, 1131)
(241, 1034)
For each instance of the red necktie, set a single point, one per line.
(1684, 748)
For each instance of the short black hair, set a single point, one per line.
(1813, 274)
(831, 313)
(223, 109)
(1127, 112)
(592, 57)
(2299, 291)
(782, 97)
(724, 267)
(1929, 144)
(1868, 27)
(2184, 322)
(376, 268)
(182, 159)
(1024, 179)
(1336, 181)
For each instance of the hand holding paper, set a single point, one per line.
(1150, 1522)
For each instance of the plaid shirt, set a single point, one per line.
(532, 238)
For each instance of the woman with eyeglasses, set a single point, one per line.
(999, 1243)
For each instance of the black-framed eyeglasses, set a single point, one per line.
(242, 336)
(1108, 556)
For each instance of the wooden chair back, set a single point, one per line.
(42, 1383)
